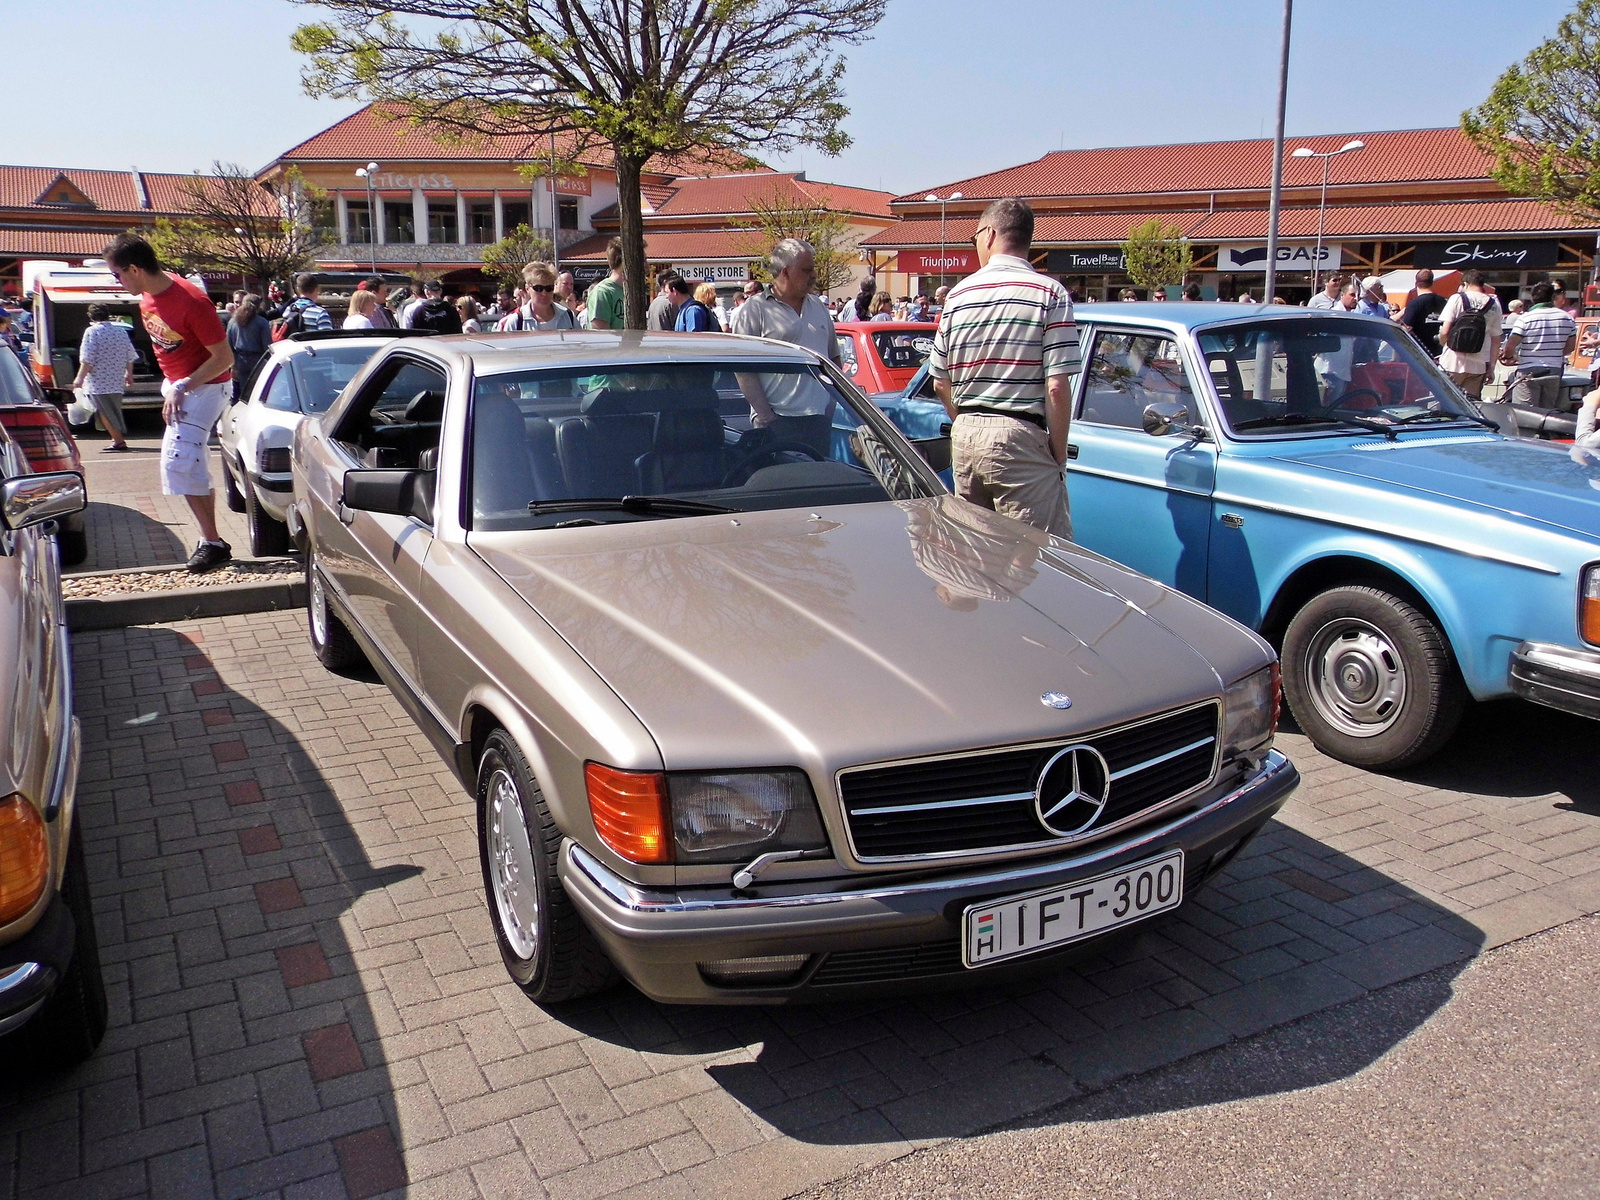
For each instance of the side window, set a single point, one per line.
(280, 392)
(395, 421)
(1129, 371)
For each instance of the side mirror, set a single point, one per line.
(397, 493)
(30, 499)
(1161, 417)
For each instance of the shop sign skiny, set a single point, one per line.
(1290, 258)
(1510, 256)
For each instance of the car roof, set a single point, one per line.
(287, 348)
(869, 326)
(1197, 314)
(495, 353)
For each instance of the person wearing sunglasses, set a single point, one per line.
(541, 310)
(1002, 362)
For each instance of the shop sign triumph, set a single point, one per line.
(1290, 258)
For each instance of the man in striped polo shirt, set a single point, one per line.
(1540, 341)
(1002, 365)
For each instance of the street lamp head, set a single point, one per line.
(930, 197)
(1303, 152)
(955, 195)
(361, 172)
(1352, 146)
(372, 168)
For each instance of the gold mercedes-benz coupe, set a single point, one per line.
(753, 709)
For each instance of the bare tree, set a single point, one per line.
(262, 231)
(646, 78)
(782, 215)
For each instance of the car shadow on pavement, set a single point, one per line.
(1549, 752)
(231, 891)
(1289, 928)
(123, 537)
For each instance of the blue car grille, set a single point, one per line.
(984, 801)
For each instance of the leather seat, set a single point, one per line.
(503, 476)
(690, 452)
(614, 446)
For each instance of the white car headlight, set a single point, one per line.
(730, 817)
(1250, 711)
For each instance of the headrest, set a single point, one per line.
(426, 406)
(689, 430)
(611, 402)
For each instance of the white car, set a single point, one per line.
(299, 376)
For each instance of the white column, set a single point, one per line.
(461, 219)
(341, 217)
(499, 217)
(419, 214)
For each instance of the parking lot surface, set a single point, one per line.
(307, 1000)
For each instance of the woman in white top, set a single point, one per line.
(468, 308)
(541, 311)
(361, 305)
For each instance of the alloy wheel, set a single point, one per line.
(318, 604)
(511, 869)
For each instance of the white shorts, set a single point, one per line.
(185, 462)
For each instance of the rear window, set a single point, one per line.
(320, 374)
(904, 348)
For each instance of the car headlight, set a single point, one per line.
(729, 817)
(1250, 711)
(1589, 604)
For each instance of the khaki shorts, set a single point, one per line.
(1004, 464)
(1541, 391)
(1470, 382)
(185, 461)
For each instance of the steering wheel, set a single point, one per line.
(1344, 400)
(767, 451)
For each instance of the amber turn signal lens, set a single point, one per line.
(24, 857)
(1589, 606)
(630, 812)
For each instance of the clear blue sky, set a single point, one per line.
(946, 89)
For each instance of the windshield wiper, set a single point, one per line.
(1444, 416)
(674, 506)
(1300, 418)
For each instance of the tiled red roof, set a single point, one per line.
(375, 133)
(726, 195)
(1404, 155)
(53, 243)
(1476, 217)
(109, 191)
(685, 246)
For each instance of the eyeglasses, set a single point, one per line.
(980, 229)
(542, 287)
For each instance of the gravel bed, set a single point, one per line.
(79, 587)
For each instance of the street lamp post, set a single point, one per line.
(1322, 208)
(369, 173)
(1271, 284)
(943, 201)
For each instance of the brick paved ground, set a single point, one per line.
(130, 523)
(307, 1001)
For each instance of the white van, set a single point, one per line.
(61, 296)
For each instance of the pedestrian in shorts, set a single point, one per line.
(1539, 342)
(1002, 363)
(105, 371)
(196, 361)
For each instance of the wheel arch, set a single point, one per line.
(1343, 570)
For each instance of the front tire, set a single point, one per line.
(1370, 678)
(331, 642)
(268, 537)
(73, 1020)
(73, 545)
(547, 949)
(230, 488)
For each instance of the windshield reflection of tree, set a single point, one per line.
(970, 554)
(732, 598)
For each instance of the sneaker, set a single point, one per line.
(123, 449)
(208, 556)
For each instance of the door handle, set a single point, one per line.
(346, 515)
(1072, 450)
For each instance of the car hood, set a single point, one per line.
(1542, 481)
(860, 632)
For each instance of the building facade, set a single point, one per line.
(1405, 199)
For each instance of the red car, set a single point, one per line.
(40, 429)
(882, 356)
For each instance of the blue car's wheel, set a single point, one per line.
(1370, 678)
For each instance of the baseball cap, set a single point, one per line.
(1370, 282)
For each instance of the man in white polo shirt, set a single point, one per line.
(1540, 341)
(792, 407)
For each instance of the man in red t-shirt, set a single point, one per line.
(197, 363)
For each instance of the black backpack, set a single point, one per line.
(1469, 331)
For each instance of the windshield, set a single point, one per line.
(1324, 373)
(567, 447)
(320, 376)
(904, 348)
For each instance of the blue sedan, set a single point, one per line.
(1316, 477)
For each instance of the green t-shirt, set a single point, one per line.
(605, 303)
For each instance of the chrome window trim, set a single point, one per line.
(1089, 834)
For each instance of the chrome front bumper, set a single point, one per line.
(1557, 676)
(658, 936)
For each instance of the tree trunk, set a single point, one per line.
(635, 281)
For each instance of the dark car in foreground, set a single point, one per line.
(764, 714)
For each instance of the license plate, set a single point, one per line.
(1019, 925)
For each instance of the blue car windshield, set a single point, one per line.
(648, 441)
(1325, 373)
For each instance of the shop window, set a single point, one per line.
(516, 213)
(358, 221)
(443, 228)
(568, 209)
(480, 222)
(324, 222)
(399, 222)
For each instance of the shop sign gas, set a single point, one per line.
(1504, 256)
(938, 262)
(1290, 258)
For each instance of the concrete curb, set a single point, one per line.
(184, 604)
